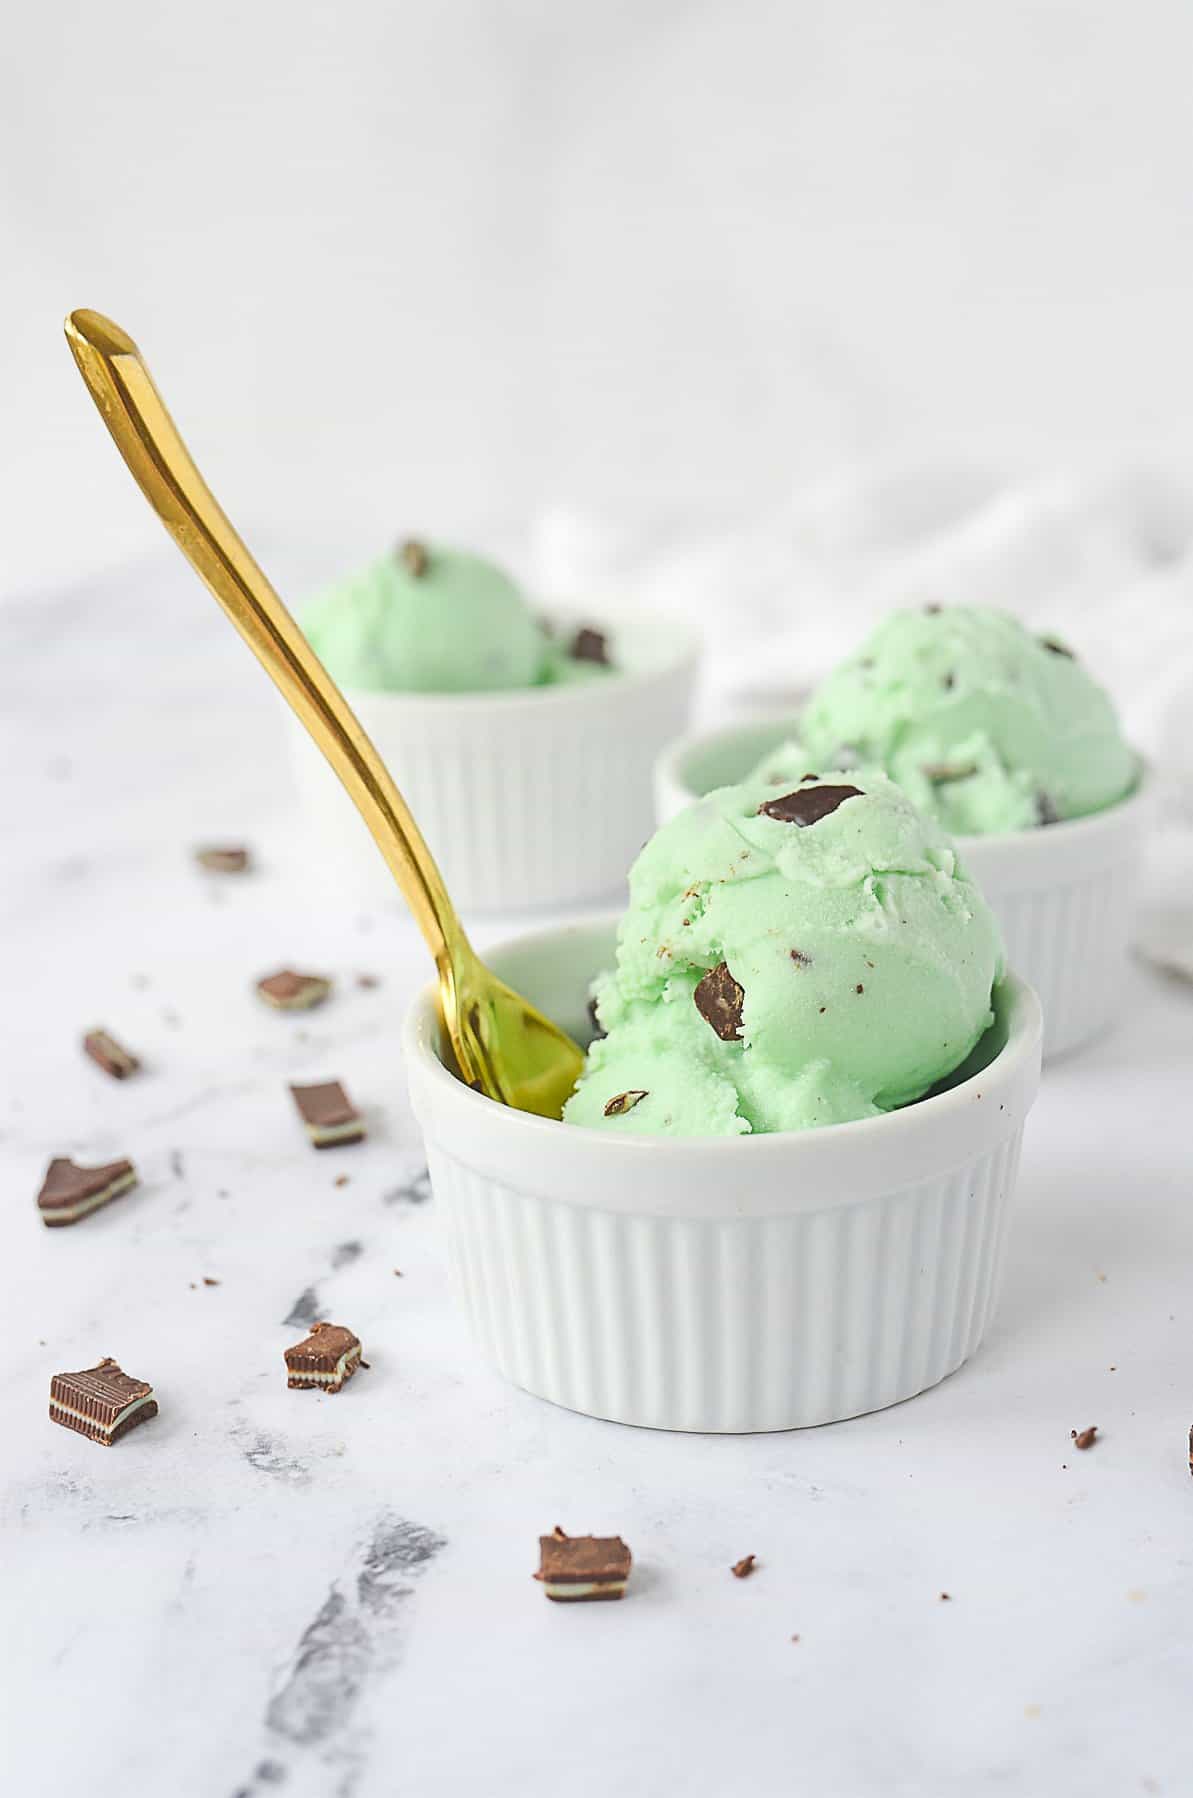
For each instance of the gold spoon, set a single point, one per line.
(504, 1047)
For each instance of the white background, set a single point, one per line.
(452, 264)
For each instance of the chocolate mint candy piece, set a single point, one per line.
(102, 1402)
(69, 1192)
(623, 1102)
(808, 805)
(288, 991)
(1058, 649)
(940, 773)
(328, 1114)
(324, 1360)
(589, 646)
(227, 860)
(108, 1054)
(413, 555)
(578, 1568)
(719, 1000)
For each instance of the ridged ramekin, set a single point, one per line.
(746, 1283)
(1062, 895)
(535, 797)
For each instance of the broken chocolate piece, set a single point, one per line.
(330, 1117)
(108, 1054)
(102, 1403)
(1046, 812)
(575, 1568)
(939, 773)
(744, 1568)
(414, 555)
(808, 805)
(288, 991)
(589, 646)
(623, 1102)
(69, 1192)
(1085, 1438)
(225, 860)
(1058, 649)
(324, 1359)
(719, 1000)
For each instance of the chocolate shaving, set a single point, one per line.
(941, 772)
(1085, 1438)
(108, 1054)
(589, 646)
(807, 805)
(1191, 1451)
(414, 557)
(744, 1568)
(620, 1103)
(719, 1000)
(1058, 649)
(226, 860)
(208, 1281)
(800, 959)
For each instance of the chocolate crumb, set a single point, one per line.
(225, 859)
(803, 807)
(341, 1180)
(800, 959)
(559, 1535)
(413, 555)
(860, 988)
(589, 646)
(108, 1054)
(719, 999)
(367, 982)
(1085, 1438)
(620, 1103)
(932, 610)
(208, 1281)
(744, 1568)
(1058, 649)
(795, 1638)
(398, 1273)
(946, 1597)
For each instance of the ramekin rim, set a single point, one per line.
(683, 660)
(671, 757)
(1022, 1046)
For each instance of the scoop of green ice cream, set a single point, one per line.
(792, 955)
(985, 726)
(427, 620)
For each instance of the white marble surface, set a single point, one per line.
(272, 1592)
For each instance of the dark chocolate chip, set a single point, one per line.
(805, 807)
(719, 1000)
(589, 646)
(860, 987)
(413, 555)
(620, 1103)
(1058, 649)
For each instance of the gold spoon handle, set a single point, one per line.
(147, 438)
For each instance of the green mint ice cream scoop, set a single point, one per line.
(987, 727)
(794, 953)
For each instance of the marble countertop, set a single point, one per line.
(267, 1592)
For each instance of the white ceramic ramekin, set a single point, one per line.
(530, 798)
(752, 1283)
(1063, 895)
